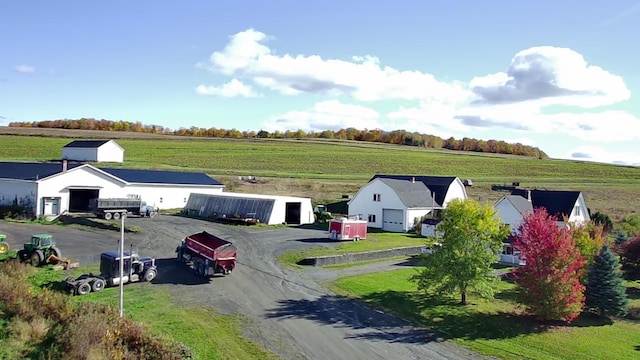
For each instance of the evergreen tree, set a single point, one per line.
(605, 290)
(621, 237)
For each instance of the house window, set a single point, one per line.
(376, 197)
(185, 200)
(372, 218)
(160, 200)
(576, 211)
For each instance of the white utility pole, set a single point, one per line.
(121, 265)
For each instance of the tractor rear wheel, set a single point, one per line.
(108, 216)
(83, 288)
(37, 258)
(55, 251)
(23, 256)
(4, 247)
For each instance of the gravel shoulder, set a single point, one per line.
(287, 310)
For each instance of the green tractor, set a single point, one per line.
(40, 251)
(4, 246)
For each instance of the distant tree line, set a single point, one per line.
(398, 137)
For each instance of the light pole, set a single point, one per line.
(121, 264)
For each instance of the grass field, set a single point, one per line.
(496, 327)
(325, 170)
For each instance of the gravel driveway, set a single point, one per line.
(288, 310)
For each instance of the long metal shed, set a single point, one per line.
(267, 209)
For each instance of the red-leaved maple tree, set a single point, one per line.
(549, 282)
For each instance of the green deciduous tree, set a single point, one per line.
(605, 290)
(472, 239)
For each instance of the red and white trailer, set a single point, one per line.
(207, 254)
(347, 229)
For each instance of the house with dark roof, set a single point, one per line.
(93, 151)
(565, 206)
(51, 189)
(397, 202)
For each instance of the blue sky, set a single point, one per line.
(559, 75)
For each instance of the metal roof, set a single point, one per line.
(412, 195)
(86, 143)
(558, 203)
(162, 177)
(439, 185)
(31, 171)
(37, 171)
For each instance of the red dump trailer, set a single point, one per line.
(347, 229)
(207, 254)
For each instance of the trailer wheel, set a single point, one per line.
(108, 216)
(83, 288)
(97, 285)
(116, 216)
(150, 274)
(37, 258)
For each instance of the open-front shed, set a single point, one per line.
(265, 209)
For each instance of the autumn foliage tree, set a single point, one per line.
(629, 252)
(549, 283)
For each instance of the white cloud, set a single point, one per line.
(326, 115)
(514, 102)
(599, 154)
(551, 75)
(231, 89)
(363, 78)
(25, 69)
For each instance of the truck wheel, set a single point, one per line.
(150, 274)
(116, 216)
(108, 216)
(97, 285)
(83, 288)
(4, 247)
(37, 258)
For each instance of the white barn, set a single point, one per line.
(93, 150)
(394, 202)
(267, 209)
(51, 189)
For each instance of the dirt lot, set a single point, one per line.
(287, 310)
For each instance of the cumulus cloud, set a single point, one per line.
(363, 78)
(551, 75)
(231, 89)
(326, 115)
(25, 69)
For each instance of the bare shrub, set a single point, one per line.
(32, 332)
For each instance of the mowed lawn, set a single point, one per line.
(497, 327)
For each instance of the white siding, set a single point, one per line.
(80, 154)
(456, 190)
(363, 203)
(164, 196)
(110, 152)
(580, 213)
(411, 215)
(508, 214)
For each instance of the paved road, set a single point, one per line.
(290, 313)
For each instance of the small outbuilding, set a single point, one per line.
(265, 209)
(93, 150)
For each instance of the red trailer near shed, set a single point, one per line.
(207, 254)
(347, 229)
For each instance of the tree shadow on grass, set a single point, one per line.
(431, 318)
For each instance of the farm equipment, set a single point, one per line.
(116, 208)
(40, 251)
(4, 246)
(207, 254)
(322, 214)
(136, 269)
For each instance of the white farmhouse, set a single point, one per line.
(512, 209)
(93, 150)
(396, 202)
(51, 189)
